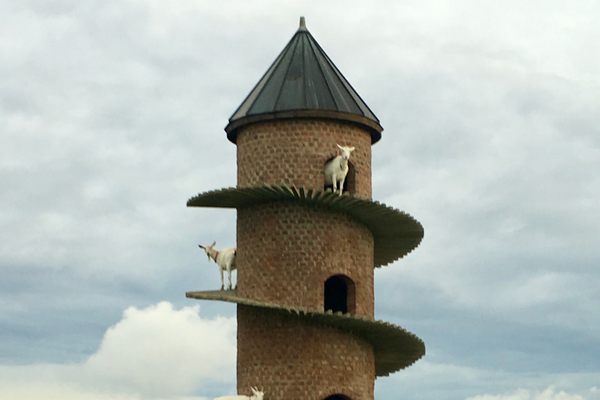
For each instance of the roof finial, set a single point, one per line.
(302, 26)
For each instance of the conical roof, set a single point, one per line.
(303, 82)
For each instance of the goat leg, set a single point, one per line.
(342, 185)
(334, 183)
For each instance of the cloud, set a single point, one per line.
(429, 379)
(549, 393)
(157, 352)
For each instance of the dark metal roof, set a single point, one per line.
(303, 82)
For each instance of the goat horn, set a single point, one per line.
(202, 247)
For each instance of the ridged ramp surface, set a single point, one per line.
(394, 347)
(395, 233)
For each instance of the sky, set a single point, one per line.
(112, 116)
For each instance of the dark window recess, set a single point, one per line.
(339, 294)
(349, 182)
(338, 397)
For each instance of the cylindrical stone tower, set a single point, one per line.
(305, 256)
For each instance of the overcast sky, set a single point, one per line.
(112, 116)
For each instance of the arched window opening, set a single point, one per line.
(339, 294)
(349, 182)
(338, 397)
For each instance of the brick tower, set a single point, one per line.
(306, 256)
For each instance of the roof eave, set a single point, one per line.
(373, 127)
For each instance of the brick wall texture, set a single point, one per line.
(286, 252)
(294, 360)
(294, 152)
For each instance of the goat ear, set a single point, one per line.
(351, 149)
(202, 247)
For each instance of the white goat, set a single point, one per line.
(224, 258)
(256, 395)
(337, 169)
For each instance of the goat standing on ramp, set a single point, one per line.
(224, 258)
(337, 169)
(256, 395)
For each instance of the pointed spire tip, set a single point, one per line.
(302, 26)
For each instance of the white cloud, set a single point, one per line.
(436, 380)
(549, 393)
(156, 352)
